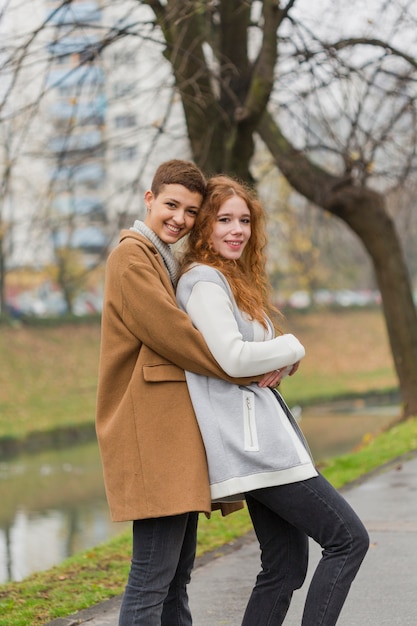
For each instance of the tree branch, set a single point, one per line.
(306, 177)
(379, 43)
(263, 71)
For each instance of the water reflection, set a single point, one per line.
(332, 431)
(53, 505)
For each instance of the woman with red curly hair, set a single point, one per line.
(254, 447)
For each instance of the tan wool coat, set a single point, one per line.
(152, 453)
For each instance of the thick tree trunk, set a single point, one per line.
(222, 109)
(364, 211)
(3, 312)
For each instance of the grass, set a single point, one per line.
(347, 353)
(48, 380)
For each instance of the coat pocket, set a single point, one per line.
(250, 433)
(163, 372)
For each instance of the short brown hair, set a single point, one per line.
(178, 172)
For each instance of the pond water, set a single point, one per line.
(52, 504)
(339, 428)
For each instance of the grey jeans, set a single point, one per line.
(162, 560)
(284, 517)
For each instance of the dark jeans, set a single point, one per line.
(284, 517)
(162, 560)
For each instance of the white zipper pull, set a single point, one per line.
(249, 422)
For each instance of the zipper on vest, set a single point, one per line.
(249, 422)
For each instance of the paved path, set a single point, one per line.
(383, 594)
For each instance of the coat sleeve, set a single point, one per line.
(211, 311)
(144, 304)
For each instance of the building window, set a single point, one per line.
(122, 88)
(125, 121)
(125, 153)
(62, 59)
(66, 91)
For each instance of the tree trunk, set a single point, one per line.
(364, 211)
(3, 312)
(222, 110)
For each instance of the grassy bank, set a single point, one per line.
(48, 382)
(48, 378)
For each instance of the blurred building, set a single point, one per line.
(76, 109)
(83, 97)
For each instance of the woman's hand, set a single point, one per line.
(294, 368)
(273, 379)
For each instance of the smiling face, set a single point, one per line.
(171, 214)
(231, 228)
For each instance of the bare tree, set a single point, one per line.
(258, 67)
(328, 88)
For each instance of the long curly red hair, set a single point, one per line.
(247, 276)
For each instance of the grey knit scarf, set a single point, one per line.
(164, 249)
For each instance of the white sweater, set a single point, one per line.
(251, 439)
